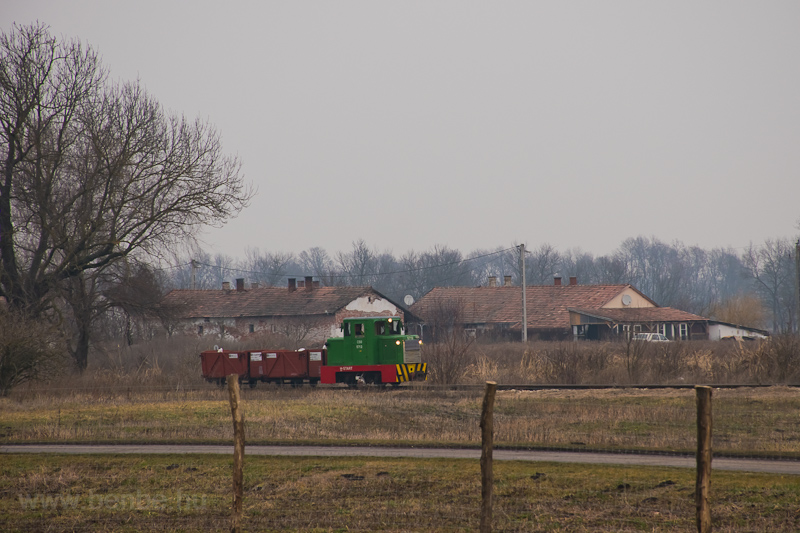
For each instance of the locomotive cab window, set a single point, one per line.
(397, 327)
(380, 328)
(358, 330)
(346, 329)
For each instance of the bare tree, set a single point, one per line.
(541, 264)
(296, 332)
(316, 262)
(441, 266)
(134, 297)
(269, 268)
(578, 263)
(742, 309)
(772, 270)
(611, 270)
(359, 266)
(448, 347)
(94, 172)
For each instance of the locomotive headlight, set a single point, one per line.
(397, 343)
(390, 321)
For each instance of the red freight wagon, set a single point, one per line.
(217, 364)
(278, 366)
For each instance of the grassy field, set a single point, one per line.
(752, 421)
(192, 493)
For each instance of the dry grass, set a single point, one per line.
(776, 360)
(154, 393)
(751, 421)
(192, 493)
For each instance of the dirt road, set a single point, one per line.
(719, 463)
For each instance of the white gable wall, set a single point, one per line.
(637, 300)
(372, 305)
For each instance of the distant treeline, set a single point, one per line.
(754, 287)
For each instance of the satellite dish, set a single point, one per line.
(626, 299)
(408, 299)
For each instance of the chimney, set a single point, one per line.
(226, 285)
(573, 280)
(492, 281)
(557, 281)
(239, 284)
(292, 284)
(507, 281)
(309, 283)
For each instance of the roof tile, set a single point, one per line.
(264, 301)
(547, 305)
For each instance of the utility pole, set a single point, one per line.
(797, 286)
(194, 274)
(524, 296)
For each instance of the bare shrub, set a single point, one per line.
(775, 360)
(562, 362)
(667, 362)
(29, 350)
(449, 353)
(784, 352)
(483, 369)
(171, 363)
(542, 362)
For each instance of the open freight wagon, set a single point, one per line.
(268, 366)
(371, 350)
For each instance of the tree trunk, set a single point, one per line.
(81, 351)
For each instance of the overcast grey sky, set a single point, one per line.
(476, 124)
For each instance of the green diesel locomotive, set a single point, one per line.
(373, 350)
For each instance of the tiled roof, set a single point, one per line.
(547, 305)
(642, 314)
(264, 301)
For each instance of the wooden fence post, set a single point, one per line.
(703, 458)
(238, 452)
(487, 443)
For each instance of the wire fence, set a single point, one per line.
(370, 494)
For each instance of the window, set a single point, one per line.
(684, 331)
(199, 330)
(397, 327)
(380, 328)
(252, 328)
(346, 329)
(358, 330)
